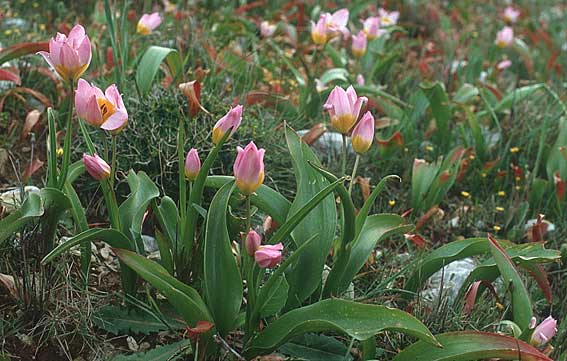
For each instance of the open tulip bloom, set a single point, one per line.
(359, 43)
(103, 110)
(504, 37)
(544, 332)
(69, 55)
(147, 23)
(344, 108)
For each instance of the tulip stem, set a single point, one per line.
(343, 156)
(354, 169)
(68, 136)
(113, 163)
(248, 216)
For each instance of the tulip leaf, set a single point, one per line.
(516, 96)
(165, 249)
(21, 49)
(182, 297)
(472, 346)
(167, 216)
(31, 208)
(275, 298)
(265, 198)
(442, 256)
(440, 108)
(312, 347)
(150, 63)
(376, 228)
(222, 281)
(81, 224)
(521, 303)
(113, 237)
(527, 256)
(132, 210)
(357, 320)
(305, 275)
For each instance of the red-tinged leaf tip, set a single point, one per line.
(470, 298)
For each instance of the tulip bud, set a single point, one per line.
(505, 37)
(363, 134)
(96, 166)
(252, 242)
(192, 164)
(544, 332)
(268, 256)
(249, 168)
(359, 43)
(105, 111)
(360, 80)
(192, 90)
(344, 108)
(69, 55)
(147, 23)
(230, 121)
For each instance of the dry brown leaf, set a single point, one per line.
(31, 120)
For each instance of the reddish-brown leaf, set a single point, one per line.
(31, 120)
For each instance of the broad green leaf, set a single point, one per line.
(521, 303)
(440, 108)
(376, 228)
(31, 208)
(265, 198)
(275, 298)
(171, 352)
(114, 238)
(167, 216)
(165, 249)
(476, 131)
(526, 256)
(222, 281)
(305, 276)
(80, 219)
(142, 192)
(472, 346)
(442, 256)
(465, 94)
(186, 301)
(334, 74)
(357, 320)
(517, 96)
(150, 63)
(312, 347)
(556, 161)
(124, 321)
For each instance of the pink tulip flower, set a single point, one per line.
(319, 30)
(267, 29)
(359, 43)
(510, 15)
(231, 120)
(388, 18)
(192, 164)
(147, 23)
(363, 134)
(106, 111)
(69, 55)
(371, 27)
(344, 108)
(360, 80)
(252, 242)
(337, 23)
(544, 332)
(249, 168)
(96, 166)
(505, 37)
(268, 256)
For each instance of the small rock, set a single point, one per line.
(150, 244)
(453, 277)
